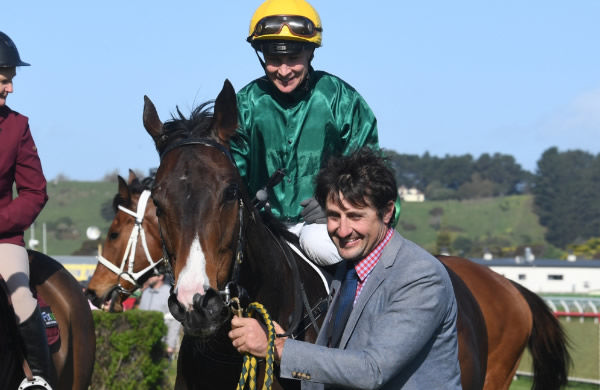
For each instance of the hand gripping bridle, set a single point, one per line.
(128, 259)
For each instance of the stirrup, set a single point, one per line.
(37, 381)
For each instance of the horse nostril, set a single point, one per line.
(197, 301)
(90, 294)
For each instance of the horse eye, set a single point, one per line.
(231, 193)
(113, 235)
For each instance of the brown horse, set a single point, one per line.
(132, 250)
(472, 351)
(206, 221)
(510, 326)
(515, 318)
(74, 355)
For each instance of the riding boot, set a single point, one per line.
(37, 353)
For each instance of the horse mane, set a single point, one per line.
(278, 228)
(198, 125)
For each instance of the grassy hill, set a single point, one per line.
(504, 225)
(72, 207)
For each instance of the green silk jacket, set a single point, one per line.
(298, 132)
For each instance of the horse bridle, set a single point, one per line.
(128, 259)
(233, 292)
(232, 288)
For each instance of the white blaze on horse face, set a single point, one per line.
(192, 277)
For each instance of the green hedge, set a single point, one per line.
(130, 353)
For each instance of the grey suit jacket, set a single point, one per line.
(401, 333)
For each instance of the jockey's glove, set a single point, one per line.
(312, 212)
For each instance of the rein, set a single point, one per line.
(128, 259)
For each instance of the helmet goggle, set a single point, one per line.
(298, 25)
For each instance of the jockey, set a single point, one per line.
(295, 118)
(20, 165)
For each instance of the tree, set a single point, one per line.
(503, 171)
(565, 199)
(441, 178)
(443, 241)
(107, 210)
(477, 187)
(111, 176)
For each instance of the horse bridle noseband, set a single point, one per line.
(129, 254)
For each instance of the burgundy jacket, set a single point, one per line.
(20, 164)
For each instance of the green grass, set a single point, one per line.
(71, 208)
(584, 338)
(510, 219)
(525, 384)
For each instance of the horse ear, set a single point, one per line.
(132, 176)
(226, 113)
(123, 189)
(152, 122)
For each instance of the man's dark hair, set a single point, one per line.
(364, 179)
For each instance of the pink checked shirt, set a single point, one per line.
(365, 266)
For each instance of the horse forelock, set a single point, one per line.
(197, 125)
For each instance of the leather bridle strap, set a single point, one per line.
(129, 254)
(239, 254)
(197, 141)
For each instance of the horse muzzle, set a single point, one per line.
(92, 297)
(206, 315)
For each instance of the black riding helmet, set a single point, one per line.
(9, 55)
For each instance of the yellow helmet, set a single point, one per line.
(285, 20)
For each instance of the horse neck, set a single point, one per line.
(268, 258)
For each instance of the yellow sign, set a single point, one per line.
(81, 271)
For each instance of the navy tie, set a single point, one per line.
(344, 305)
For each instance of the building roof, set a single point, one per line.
(512, 262)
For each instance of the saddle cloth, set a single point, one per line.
(52, 331)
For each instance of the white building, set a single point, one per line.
(549, 276)
(410, 194)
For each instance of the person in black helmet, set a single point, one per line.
(20, 165)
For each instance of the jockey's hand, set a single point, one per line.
(249, 336)
(312, 212)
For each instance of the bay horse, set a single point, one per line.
(216, 242)
(73, 355)
(515, 318)
(508, 317)
(132, 250)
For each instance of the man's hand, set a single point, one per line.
(249, 336)
(312, 212)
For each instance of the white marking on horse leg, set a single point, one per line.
(192, 277)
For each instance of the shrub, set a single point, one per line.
(130, 353)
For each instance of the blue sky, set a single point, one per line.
(511, 76)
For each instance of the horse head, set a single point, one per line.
(202, 206)
(132, 246)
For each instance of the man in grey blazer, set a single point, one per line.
(401, 330)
